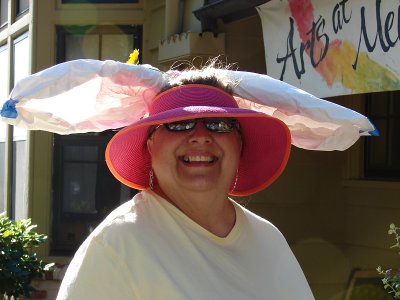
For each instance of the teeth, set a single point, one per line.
(198, 158)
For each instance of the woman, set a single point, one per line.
(182, 237)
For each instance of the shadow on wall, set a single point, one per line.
(330, 275)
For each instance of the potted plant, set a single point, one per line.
(391, 278)
(18, 263)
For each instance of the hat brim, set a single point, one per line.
(265, 152)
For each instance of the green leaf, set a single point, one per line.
(29, 228)
(7, 234)
(49, 267)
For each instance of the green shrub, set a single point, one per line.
(391, 279)
(18, 263)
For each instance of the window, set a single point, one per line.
(21, 57)
(3, 97)
(97, 42)
(381, 154)
(22, 6)
(100, 1)
(19, 209)
(84, 189)
(3, 12)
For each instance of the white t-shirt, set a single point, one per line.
(149, 249)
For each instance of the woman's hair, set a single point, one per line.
(210, 74)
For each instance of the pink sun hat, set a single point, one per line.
(266, 139)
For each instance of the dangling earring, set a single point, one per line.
(235, 182)
(151, 179)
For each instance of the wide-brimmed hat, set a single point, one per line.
(92, 96)
(266, 139)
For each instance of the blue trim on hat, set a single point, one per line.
(374, 132)
(8, 110)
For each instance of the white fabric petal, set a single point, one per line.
(85, 96)
(91, 96)
(314, 123)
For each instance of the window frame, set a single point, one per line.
(86, 220)
(63, 31)
(60, 246)
(388, 171)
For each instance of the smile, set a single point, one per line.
(199, 158)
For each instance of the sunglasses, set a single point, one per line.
(221, 125)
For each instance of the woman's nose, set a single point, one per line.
(200, 134)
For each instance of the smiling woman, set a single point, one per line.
(197, 160)
(183, 233)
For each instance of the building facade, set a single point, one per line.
(334, 208)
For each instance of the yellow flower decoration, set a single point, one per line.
(133, 57)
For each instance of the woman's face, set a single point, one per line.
(195, 160)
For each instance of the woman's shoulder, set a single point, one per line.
(257, 223)
(124, 218)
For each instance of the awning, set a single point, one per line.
(227, 10)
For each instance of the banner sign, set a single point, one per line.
(331, 48)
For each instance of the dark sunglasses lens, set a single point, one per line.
(214, 125)
(181, 125)
(220, 125)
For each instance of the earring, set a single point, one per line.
(235, 182)
(151, 179)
